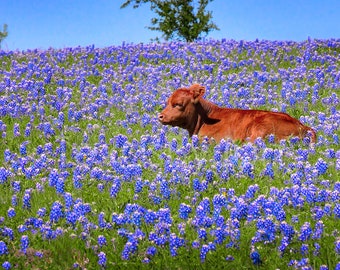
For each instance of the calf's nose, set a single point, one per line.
(160, 117)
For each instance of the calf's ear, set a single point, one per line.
(197, 91)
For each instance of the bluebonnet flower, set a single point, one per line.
(7, 232)
(336, 210)
(130, 248)
(60, 186)
(184, 210)
(337, 267)
(101, 240)
(268, 154)
(22, 228)
(101, 220)
(229, 258)
(16, 130)
(16, 185)
(285, 241)
(287, 230)
(102, 259)
(175, 242)
(217, 154)
(151, 251)
(26, 200)
(337, 246)
(317, 247)
(252, 189)
(209, 174)
(321, 166)
(202, 233)
(305, 232)
(14, 200)
(255, 257)
(266, 230)
(56, 212)
(3, 248)
(68, 200)
(268, 171)
(196, 184)
(100, 187)
(304, 249)
(195, 244)
(120, 140)
(139, 185)
(53, 177)
(195, 141)
(23, 148)
(173, 145)
(203, 252)
(11, 212)
(248, 168)
(8, 155)
(6, 265)
(164, 189)
(24, 243)
(115, 188)
(318, 230)
(4, 174)
(39, 254)
(150, 216)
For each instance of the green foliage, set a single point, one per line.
(179, 19)
(3, 34)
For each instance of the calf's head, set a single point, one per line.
(180, 109)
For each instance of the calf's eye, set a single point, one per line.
(178, 105)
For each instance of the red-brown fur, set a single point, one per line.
(187, 109)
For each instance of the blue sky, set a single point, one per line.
(70, 23)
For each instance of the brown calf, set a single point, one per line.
(187, 109)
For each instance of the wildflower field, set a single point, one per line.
(89, 179)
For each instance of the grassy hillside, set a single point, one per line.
(89, 179)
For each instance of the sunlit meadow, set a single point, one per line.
(90, 180)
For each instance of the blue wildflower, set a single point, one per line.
(203, 252)
(337, 246)
(336, 210)
(130, 248)
(6, 265)
(16, 130)
(229, 258)
(11, 212)
(101, 240)
(255, 257)
(321, 166)
(304, 249)
(184, 210)
(120, 140)
(14, 200)
(56, 212)
(60, 186)
(4, 174)
(115, 188)
(3, 248)
(16, 185)
(24, 243)
(26, 200)
(305, 232)
(202, 234)
(151, 251)
(337, 267)
(102, 259)
(248, 168)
